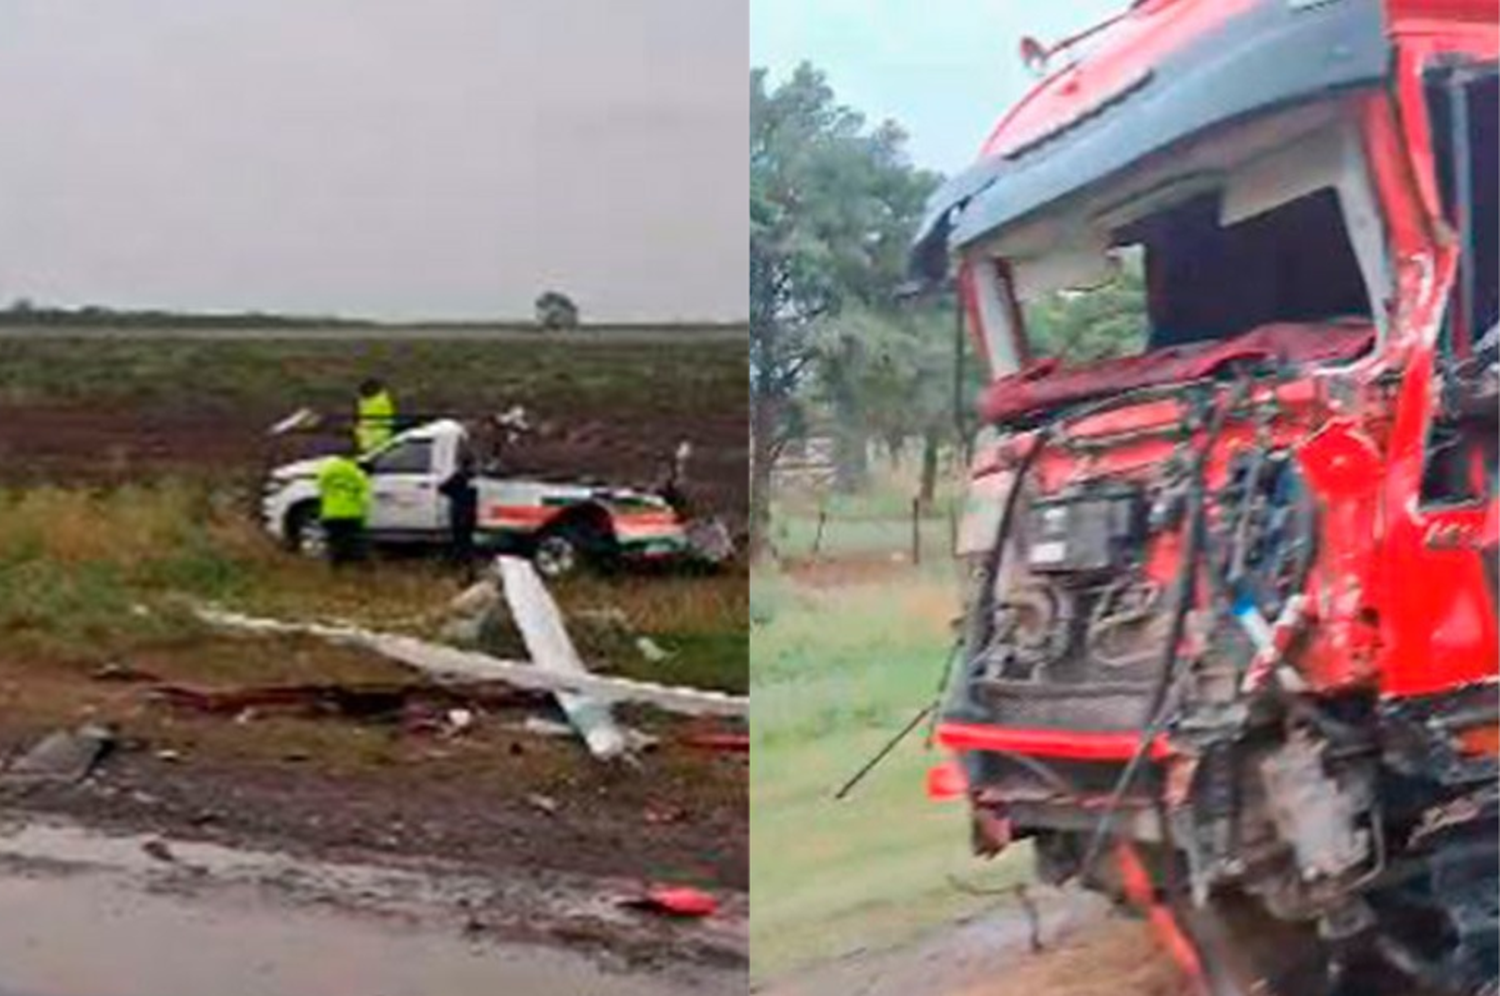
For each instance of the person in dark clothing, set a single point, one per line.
(463, 512)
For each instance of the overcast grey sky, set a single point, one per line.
(944, 69)
(444, 158)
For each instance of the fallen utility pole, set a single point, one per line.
(450, 664)
(548, 643)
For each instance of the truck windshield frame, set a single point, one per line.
(1224, 220)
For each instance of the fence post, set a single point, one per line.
(916, 530)
(818, 535)
(953, 528)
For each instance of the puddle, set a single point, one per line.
(78, 936)
(88, 915)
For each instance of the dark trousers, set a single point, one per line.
(346, 541)
(461, 527)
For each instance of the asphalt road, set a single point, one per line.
(83, 914)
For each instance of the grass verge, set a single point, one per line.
(87, 577)
(834, 673)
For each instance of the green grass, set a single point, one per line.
(795, 534)
(834, 674)
(88, 576)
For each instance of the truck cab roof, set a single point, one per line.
(1165, 72)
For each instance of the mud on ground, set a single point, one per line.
(108, 411)
(494, 802)
(1086, 950)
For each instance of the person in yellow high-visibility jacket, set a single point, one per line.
(374, 416)
(344, 508)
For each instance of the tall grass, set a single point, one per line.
(90, 574)
(83, 573)
(834, 674)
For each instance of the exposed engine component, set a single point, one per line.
(1265, 534)
(1085, 534)
(1120, 635)
(1032, 630)
(1320, 817)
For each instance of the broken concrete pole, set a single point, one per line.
(450, 664)
(63, 756)
(547, 641)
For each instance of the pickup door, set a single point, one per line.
(404, 487)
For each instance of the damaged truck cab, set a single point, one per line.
(1232, 620)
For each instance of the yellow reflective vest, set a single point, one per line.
(375, 421)
(343, 490)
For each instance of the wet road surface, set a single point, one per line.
(79, 937)
(86, 915)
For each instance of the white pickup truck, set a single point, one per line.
(561, 526)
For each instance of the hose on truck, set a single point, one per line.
(1162, 706)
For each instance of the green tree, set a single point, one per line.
(833, 203)
(890, 376)
(1094, 324)
(556, 311)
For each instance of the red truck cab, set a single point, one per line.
(1233, 605)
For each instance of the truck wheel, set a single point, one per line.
(557, 554)
(569, 547)
(304, 532)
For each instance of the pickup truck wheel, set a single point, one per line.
(304, 532)
(557, 554)
(572, 546)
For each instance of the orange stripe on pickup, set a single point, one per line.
(518, 515)
(644, 520)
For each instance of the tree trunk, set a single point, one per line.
(762, 461)
(851, 460)
(895, 443)
(929, 468)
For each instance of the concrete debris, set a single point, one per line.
(638, 740)
(119, 671)
(477, 599)
(463, 631)
(546, 727)
(473, 613)
(607, 617)
(542, 803)
(62, 756)
(459, 720)
(299, 420)
(652, 651)
(550, 647)
(710, 540)
(449, 664)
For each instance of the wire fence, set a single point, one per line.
(913, 531)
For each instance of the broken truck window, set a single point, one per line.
(1463, 452)
(1179, 277)
(1464, 108)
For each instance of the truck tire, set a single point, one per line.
(304, 532)
(570, 547)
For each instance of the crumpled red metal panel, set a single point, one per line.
(1047, 384)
